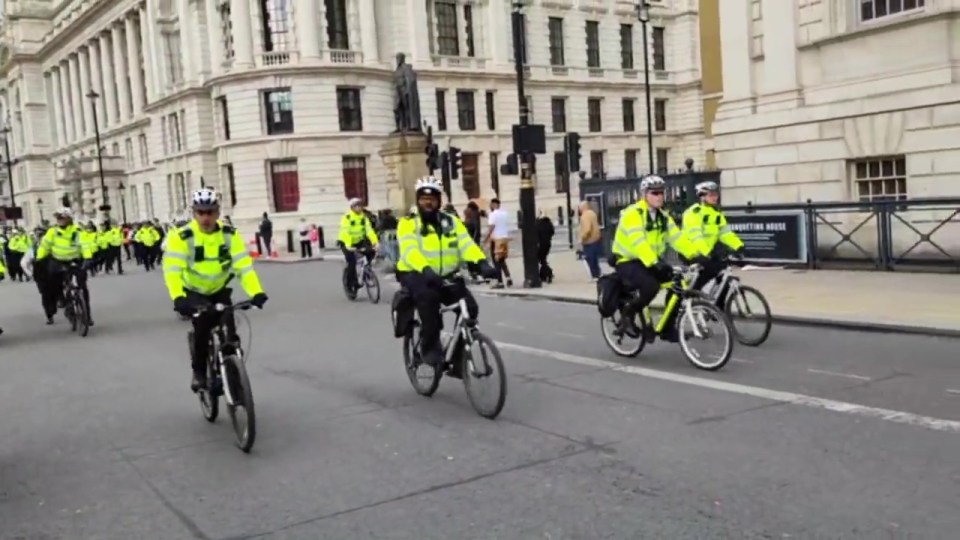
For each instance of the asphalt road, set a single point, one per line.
(817, 434)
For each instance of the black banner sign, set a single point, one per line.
(771, 236)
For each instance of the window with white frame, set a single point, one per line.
(226, 30)
(128, 158)
(448, 38)
(879, 179)
(171, 42)
(144, 150)
(877, 9)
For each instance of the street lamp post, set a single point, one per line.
(528, 203)
(105, 207)
(40, 209)
(123, 201)
(5, 131)
(643, 14)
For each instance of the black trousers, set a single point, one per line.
(637, 277)
(204, 324)
(150, 256)
(428, 300)
(115, 254)
(14, 268)
(306, 248)
(50, 282)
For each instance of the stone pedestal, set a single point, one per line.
(405, 160)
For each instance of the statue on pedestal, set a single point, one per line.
(406, 98)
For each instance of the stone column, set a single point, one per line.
(109, 82)
(214, 38)
(499, 35)
(66, 103)
(242, 37)
(97, 82)
(84, 66)
(151, 49)
(780, 49)
(119, 73)
(308, 24)
(76, 99)
(145, 50)
(416, 23)
(188, 41)
(368, 32)
(735, 38)
(133, 64)
(55, 84)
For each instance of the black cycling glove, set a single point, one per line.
(183, 306)
(259, 300)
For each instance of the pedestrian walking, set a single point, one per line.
(545, 232)
(306, 250)
(499, 235)
(590, 238)
(266, 236)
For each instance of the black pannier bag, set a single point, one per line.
(609, 287)
(402, 311)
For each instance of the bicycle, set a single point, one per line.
(460, 362)
(691, 309)
(365, 276)
(734, 303)
(227, 377)
(75, 307)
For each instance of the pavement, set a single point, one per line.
(819, 433)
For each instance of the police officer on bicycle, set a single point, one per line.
(434, 245)
(356, 233)
(62, 245)
(705, 226)
(641, 240)
(200, 260)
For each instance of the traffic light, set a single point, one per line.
(455, 162)
(511, 167)
(573, 150)
(433, 157)
(445, 171)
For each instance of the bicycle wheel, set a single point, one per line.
(703, 320)
(618, 341)
(238, 382)
(487, 369)
(68, 311)
(424, 378)
(372, 284)
(746, 307)
(347, 289)
(209, 398)
(81, 314)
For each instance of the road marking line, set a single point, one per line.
(952, 391)
(836, 374)
(741, 361)
(900, 417)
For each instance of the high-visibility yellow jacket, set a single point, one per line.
(206, 262)
(354, 227)
(704, 226)
(64, 244)
(642, 237)
(444, 250)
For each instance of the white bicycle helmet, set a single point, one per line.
(652, 182)
(64, 212)
(429, 185)
(205, 199)
(707, 187)
(354, 202)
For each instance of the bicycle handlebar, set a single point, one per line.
(222, 308)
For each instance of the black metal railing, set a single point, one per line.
(910, 234)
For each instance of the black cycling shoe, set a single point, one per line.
(49, 320)
(433, 357)
(198, 382)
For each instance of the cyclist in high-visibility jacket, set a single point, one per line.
(199, 262)
(356, 234)
(61, 244)
(706, 227)
(148, 237)
(643, 234)
(434, 245)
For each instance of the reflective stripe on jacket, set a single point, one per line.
(704, 226)
(64, 244)
(640, 237)
(354, 227)
(206, 262)
(444, 251)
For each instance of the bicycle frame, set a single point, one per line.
(460, 330)
(219, 332)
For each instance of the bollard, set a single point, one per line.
(290, 242)
(322, 242)
(560, 216)
(256, 238)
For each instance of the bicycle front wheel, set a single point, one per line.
(481, 370)
(81, 313)
(701, 321)
(347, 289)
(749, 314)
(372, 284)
(242, 412)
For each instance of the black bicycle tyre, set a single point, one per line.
(500, 373)
(81, 314)
(768, 317)
(68, 310)
(409, 353)
(625, 353)
(242, 392)
(370, 275)
(728, 326)
(347, 289)
(209, 403)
